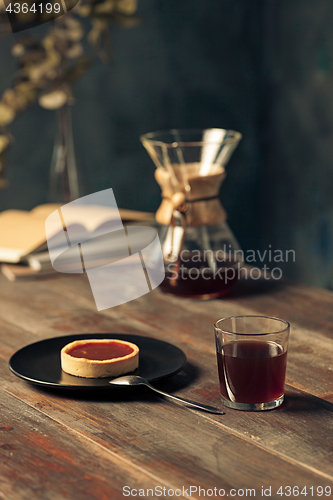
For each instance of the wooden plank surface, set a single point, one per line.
(42, 459)
(192, 321)
(158, 442)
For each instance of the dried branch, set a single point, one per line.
(47, 68)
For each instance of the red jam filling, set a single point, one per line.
(101, 351)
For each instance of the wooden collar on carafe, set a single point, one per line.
(195, 204)
(198, 200)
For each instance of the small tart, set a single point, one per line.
(92, 358)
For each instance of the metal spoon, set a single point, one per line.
(136, 380)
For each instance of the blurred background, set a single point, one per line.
(264, 68)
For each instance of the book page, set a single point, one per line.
(23, 233)
(19, 234)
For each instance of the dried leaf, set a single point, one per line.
(26, 95)
(54, 99)
(105, 7)
(51, 74)
(20, 77)
(25, 86)
(18, 50)
(84, 10)
(60, 33)
(9, 97)
(20, 97)
(38, 71)
(7, 114)
(94, 36)
(4, 143)
(16, 101)
(62, 45)
(74, 30)
(116, 18)
(3, 183)
(71, 22)
(76, 34)
(126, 21)
(75, 51)
(34, 56)
(25, 44)
(127, 7)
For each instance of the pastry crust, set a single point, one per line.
(95, 368)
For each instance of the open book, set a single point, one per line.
(23, 238)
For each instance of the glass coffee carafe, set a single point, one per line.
(201, 255)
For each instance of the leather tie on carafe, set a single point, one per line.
(196, 203)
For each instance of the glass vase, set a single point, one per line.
(64, 183)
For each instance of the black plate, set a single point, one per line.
(39, 363)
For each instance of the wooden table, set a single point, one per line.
(65, 445)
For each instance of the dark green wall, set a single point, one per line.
(262, 67)
(297, 134)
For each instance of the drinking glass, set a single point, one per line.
(252, 359)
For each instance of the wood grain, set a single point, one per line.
(153, 440)
(44, 460)
(165, 314)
